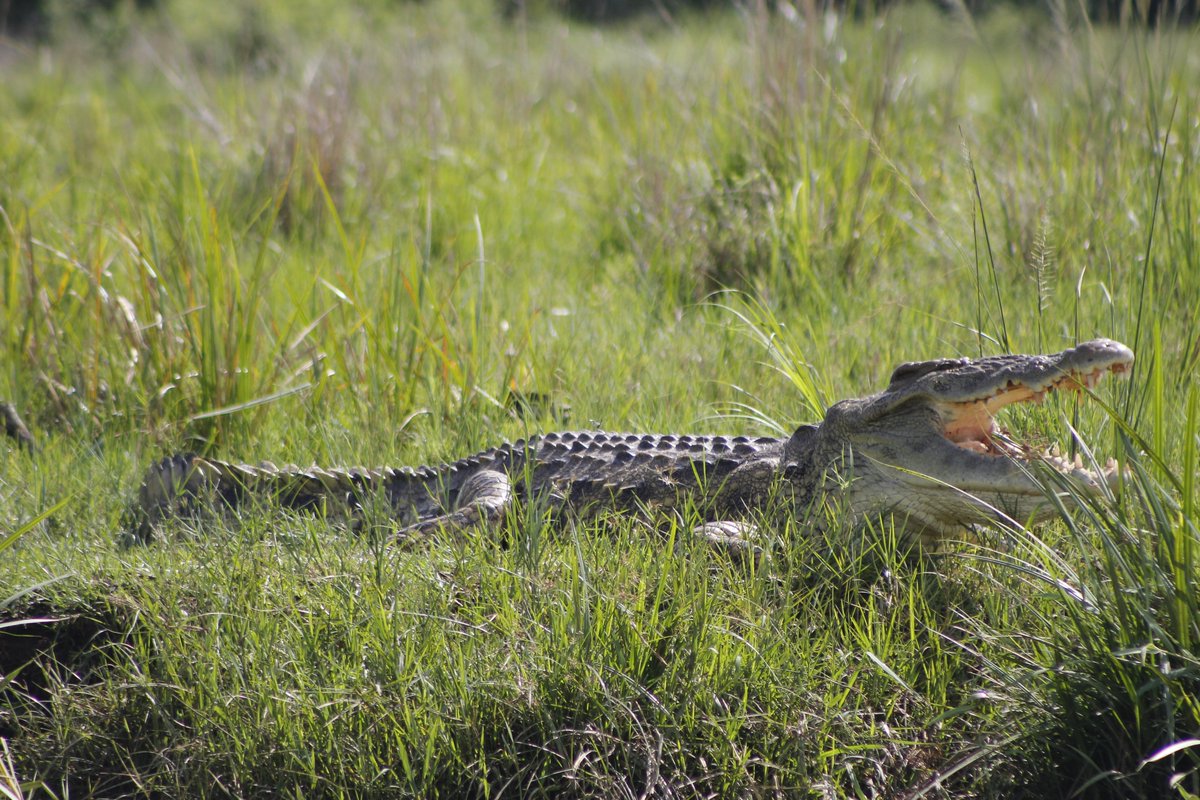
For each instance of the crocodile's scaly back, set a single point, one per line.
(588, 467)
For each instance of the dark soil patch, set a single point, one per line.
(41, 645)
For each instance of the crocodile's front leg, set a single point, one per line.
(757, 484)
(733, 538)
(482, 500)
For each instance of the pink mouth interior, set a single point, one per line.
(972, 425)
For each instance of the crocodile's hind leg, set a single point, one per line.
(481, 501)
(177, 486)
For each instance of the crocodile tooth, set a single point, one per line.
(1084, 476)
(1112, 472)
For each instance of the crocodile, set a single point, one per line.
(926, 450)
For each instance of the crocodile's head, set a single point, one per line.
(928, 448)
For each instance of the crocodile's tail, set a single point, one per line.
(186, 485)
(181, 485)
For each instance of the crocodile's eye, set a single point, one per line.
(911, 370)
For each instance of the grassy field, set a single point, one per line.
(354, 233)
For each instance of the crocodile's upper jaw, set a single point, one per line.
(929, 449)
(972, 426)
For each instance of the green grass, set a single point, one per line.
(349, 234)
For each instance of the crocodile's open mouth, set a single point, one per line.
(972, 426)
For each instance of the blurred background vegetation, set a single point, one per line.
(40, 19)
